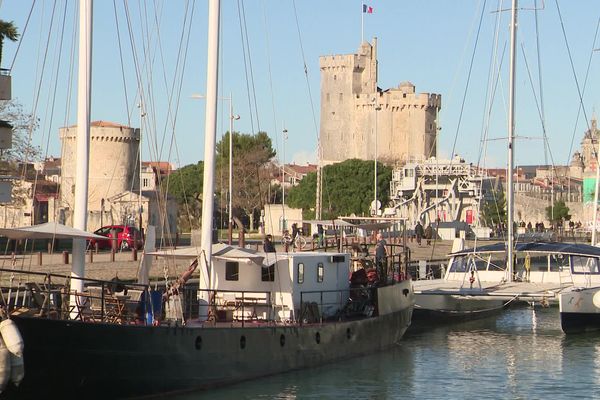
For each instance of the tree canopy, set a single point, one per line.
(250, 179)
(493, 211)
(347, 189)
(185, 185)
(559, 212)
(7, 31)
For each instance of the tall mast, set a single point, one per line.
(210, 132)
(511, 133)
(83, 140)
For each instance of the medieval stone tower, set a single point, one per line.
(360, 120)
(113, 156)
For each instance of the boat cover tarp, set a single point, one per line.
(49, 230)
(219, 250)
(540, 247)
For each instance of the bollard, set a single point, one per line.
(40, 258)
(65, 257)
(49, 246)
(96, 246)
(112, 255)
(134, 254)
(91, 256)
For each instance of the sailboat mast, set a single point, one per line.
(511, 133)
(83, 140)
(210, 132)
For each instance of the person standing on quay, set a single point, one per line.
(419, 232)
(380, 254)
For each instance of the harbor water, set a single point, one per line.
(519, 354)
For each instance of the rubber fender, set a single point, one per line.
(4, 365)
(12, 337)
(17, 369)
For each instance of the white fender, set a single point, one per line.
(17, 369)
(12, 337)
(4, 365)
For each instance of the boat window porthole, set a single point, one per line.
(318, 338)
(198, 342)
(282, 340)
(243, 342)
(348, 333)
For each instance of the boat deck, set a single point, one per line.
(493, 290)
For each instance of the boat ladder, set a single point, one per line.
(565, 277)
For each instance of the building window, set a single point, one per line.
(327, 98)
(145, 182)
(300, 278)
(320, 272)
(335, 77)
(268, 273)
(232, 271)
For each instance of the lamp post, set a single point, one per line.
(232, 117)
(284, 135)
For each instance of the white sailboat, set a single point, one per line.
(253, 314)
(483, 280)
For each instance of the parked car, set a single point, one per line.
(128, 237)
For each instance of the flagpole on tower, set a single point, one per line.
(362, 22)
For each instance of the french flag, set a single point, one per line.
(367, 9)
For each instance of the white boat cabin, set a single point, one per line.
(282, 288)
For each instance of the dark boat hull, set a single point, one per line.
(579, 322)
(68, 359)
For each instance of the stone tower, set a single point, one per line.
(360, 120)
(113, 159)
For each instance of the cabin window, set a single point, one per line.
(320, 272)
(232, 271)
(268, 273)
(300, 278)
(584, 265)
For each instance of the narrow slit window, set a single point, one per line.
(300, 278)
(320, 272)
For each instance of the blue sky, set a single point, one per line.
(429, 43)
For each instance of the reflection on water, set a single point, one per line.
(520, 354)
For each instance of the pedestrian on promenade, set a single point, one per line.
(419, 232)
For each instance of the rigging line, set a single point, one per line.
(539, 110)
(53, 102)
(492, 83)
(180, 89)
(251, 69)
(12, 64)
(539, 63)
(462, 107)
(266, 25)
(122, 61)
(312, 107)
(246, 67)
(587, 72)
(562, 25)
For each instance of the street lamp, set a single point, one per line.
(232, 117)
(284, 135)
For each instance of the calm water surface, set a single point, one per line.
(521, 354)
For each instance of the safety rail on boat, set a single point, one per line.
(43, 295)
(338, 304)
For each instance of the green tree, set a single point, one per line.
(347, 189)
(251, 153)
(185, 185)
(493, 211)
(7, 31)
(558, 213)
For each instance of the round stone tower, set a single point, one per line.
(113, 163)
